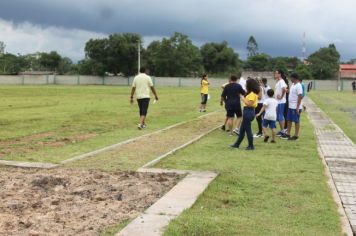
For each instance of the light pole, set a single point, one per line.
(139, 56)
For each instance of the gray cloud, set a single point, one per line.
(278, 25)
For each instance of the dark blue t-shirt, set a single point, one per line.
(232, 93)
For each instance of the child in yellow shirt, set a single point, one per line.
(204, 91)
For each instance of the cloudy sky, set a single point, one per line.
(28, 26)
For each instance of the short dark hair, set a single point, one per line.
(252, 86)
(294, 76)
(233, 78)
(264, 80)
(143, 70)
(270, 93)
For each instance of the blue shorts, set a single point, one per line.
(280, 112)
(269, 123)
(292, 115)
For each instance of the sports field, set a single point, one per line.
(54, 123)
(278, 189)
(340, 107)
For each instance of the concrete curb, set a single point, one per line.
(39, 165)
(153, 221)
(345, 223)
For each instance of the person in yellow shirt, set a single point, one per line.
(204, 91)
(250, 103)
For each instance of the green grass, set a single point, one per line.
(340, 107)
(275, 190)
(65, 113)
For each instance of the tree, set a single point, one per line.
(64, 66)
(304, 72)
(252, 47)
(91, 67)
(324, 63)
(174, 56)
(259, 62)
(2, 48)
(9, 64)
(219, 58)
(50, 61)
(117, 53)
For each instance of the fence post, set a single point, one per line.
(154, 81)
(179, 82)
(103, 80)
(54, 79)
(78, 80)
(314, 85)
(128, 81)
(47, 79)
(23, 80)
(342, 85)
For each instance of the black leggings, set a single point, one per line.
(259, 119)
(143, 106)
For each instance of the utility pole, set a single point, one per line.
(139, 56)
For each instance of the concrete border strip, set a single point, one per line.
(153, 221)
(158, 159)
(28, 164)
(345, 223)
(108, 148)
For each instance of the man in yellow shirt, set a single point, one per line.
(204, 91)
(142, 84)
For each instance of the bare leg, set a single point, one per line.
(230, 124)
(289, 127)
(142, 120)
(238, 122)
(281, 124)
(274, 133)
(265, 132)
(297, 128)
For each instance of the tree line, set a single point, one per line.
(173, 56)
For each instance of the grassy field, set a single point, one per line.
(340, 107)
(275, 190)
(53, 123)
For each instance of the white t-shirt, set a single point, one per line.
(279, 91)
(242, 82)
(143, 84)
(264, 94)
(271, 109)
(295, 91)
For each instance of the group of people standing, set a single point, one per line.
(283, 105)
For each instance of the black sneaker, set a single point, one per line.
(273, 141)
(223, 127)
(294, 138)
(234, 146)
(250, 148)
(285, 136)
(280, 133)
(266, 139)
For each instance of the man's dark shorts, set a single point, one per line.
(231, 111)
(143, 105)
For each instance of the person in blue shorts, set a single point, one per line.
(269, 120)
(280, 95)
(295, 107)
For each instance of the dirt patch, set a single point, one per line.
(36, 142)
(72, 202)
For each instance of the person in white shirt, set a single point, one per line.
(269, 120)
(142, 84)
(295, 107)
(280, 95)
(242, 82)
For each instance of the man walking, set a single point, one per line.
(142, 84)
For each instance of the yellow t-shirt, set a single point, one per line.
(252, 97)
(204, 89)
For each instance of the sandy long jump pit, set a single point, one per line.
(74, 202)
